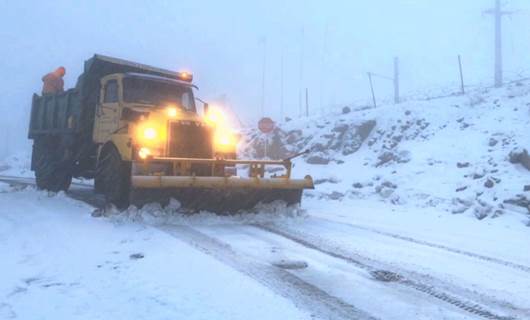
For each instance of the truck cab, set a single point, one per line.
(144, 115)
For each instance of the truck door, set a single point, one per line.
(107, 112)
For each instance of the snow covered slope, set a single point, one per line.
(451, 153)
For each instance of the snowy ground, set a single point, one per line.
(408, 222)
(60, 262)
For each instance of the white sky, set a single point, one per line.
(222, 43)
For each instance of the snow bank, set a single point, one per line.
(462, 154)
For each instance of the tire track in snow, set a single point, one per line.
(303, 294)
(505, 263)
(381, 273)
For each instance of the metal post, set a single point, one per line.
(497, 12)
(462, 88)
(372, 88)
(281, 88)
(300, 87)
(306, 102)
(498, 44)
(266, 145)
(396, 80)
(263, 77)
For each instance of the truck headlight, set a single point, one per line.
(225, 141)
(149, 133)
(144, 153)
(172, 111)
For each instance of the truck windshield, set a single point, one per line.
(157, 93)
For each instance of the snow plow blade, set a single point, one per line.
(219, 194)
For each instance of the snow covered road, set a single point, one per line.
(63, 263)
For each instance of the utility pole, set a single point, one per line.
(497, 13)
(281, 87)
(306, 102)
(396, 80)
(264, 41)
(372, 89)
(462, 88)
(301, 84)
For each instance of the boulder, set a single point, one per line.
(317, 160)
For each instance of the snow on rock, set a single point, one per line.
(463, 154)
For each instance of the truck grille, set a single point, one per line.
(188, 139)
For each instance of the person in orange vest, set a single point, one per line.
(53, 82)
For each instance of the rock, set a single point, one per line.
(493, 142)
(326, 180)
(346, 110)
(357, 185)
(389, 184)
(461, 165)
(460, 205)
(527, 188)
(489, 183)
(386, 192)
(496, 180)
(481, 212)
(335, 195)
(136, 256)
(519, 200)
(287, 119)
(293, 136)
(341, 128)
(461, 189)
(385, 157)
(477, 175)
(408, 112)
(317, 160)
(366, 128)
(520, 157)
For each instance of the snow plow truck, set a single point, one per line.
(136, 130)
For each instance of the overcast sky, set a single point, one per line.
(327, 47)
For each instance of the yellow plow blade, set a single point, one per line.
(220, 182)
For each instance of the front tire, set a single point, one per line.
(113, 177)
(52, 173)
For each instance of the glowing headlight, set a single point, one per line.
(215, 117)
(149, 133)
(143, 153)
(225, 139)
(172, 112)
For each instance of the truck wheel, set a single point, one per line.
(113, 178)
(50, 172)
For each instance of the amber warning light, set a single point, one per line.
(185, 76)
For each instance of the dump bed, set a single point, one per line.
(73, 111)
(55, 114)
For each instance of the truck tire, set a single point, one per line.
(51, 172)
(113, 177)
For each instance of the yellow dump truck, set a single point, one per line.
(136, 130)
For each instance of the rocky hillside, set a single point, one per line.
(465, 154)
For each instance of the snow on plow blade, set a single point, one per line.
(215, 193)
